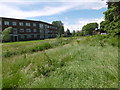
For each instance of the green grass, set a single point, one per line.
(79, 63)
(16, 48)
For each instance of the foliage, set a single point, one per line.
(82, 33)
(73, 33)
(12, 49)
(89, 28)
(104, 40)
(82, 63)
(60, 26)
(67, 33)
(111, 25)
(6, 34)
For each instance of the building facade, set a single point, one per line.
(28, 29)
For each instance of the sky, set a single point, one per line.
(74, 14)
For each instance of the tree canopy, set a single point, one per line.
(60, 26)
(111, 25)
(6, 34)
(89, 28)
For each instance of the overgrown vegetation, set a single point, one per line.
(16, 48)
(87, 62)
(6, 34)
(111, 25)
(78, 62)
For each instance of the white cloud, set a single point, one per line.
(53, 0)
(16, 12)
(80, 23)
(13, 9)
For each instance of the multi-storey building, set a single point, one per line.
(23, 29)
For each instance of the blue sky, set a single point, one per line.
(74, 14)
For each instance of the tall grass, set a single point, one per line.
(11, 49)
(82, 63)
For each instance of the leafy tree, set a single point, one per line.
(89, 28)
(6, 34)
(60, 26)
(111, 25)
(102, 26)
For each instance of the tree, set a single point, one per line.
(73, 33)
(102, 26)
(111, 25)
(68, 32)
(89, 28)
(60, 26)
(6, 34)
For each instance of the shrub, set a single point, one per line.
(113, 41)
(6, 34)
(40, 47)
(8, 53)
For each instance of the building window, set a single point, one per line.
(35, 36)
(15, 30)
(27, 24)
(6, 22)
(14, 23)
(22, 36)
(21, 23)
(41, 36)
(21, 30)
(46, 31)
(46, 26)
(34, 30)
(28, 30)
(41, 31)
(34, 24)
(28, 36)
(41, 25)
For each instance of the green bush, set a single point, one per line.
(100, 40)
(6, 34)
(8, 53)
(113, 41)
(40, 47)
(29, 48)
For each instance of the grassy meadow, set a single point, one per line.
(74, 62)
